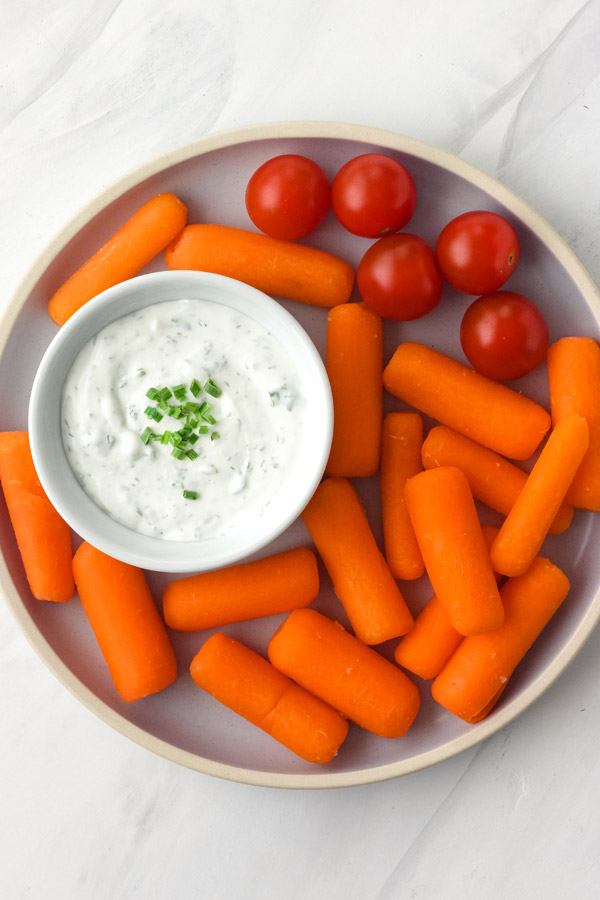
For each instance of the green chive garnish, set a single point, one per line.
(192, 413)
(211, 388)
(190, 495)
(153, 413)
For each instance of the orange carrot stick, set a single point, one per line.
(283, 268)
(477, 673)
(361, 578)
(249, 685)
(129, 630)
(264, 587)
(492, 479)
(526, 526)
(489, 412)
(400, 460)
(325, 659)
(443, 514)
(426, 649)
(354, 362)
(43, 538)
(149, 230)
(574, 378)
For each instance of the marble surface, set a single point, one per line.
(90, 88)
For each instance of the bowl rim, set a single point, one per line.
(391, 141)
(77, 508)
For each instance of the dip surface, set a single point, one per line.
(259, 417)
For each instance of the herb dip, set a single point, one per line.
(258, 418)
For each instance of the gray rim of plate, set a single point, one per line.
(220, 140)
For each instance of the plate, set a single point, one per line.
(182, 723)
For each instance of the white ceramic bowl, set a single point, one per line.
(93, 523)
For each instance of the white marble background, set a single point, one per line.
(88, 89)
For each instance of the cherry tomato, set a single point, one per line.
(397, 277)
(288, 196)
(477, 252)
(504, 335)
(373, 195)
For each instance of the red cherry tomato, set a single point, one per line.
(477, 252)
(397, 277)
(288, 196)
(504, 335)
(372, 195)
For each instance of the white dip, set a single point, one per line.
(259, 419)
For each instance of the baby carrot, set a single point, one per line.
(361, 578)
(457, 396)
(426, 649)
(325, 659)
(526, 526)
(129, 630)
(354, 363)
(477, 673)
(249, 685)
(400, 460)
(275, 584)
(443, 514)
(283, 268)
(140, 239)
(574, 378)
(43, 538)
(492, 479)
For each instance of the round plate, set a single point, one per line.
(182, 723)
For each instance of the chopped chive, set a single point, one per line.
(153, 413)
(210, 419)
(177, 412)
(203, 429)
(146, 435)
(191, 454)
(192, 438)
(195, 387)
(152, 394)
(178, 453)
(165, 393)
(166, 437)
(180, 391)
(215, 435)
(211, 388)
(190, 406)
(175, 438)
(193, 421)
(190, 495)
